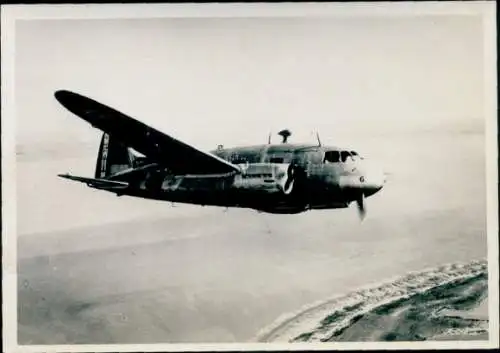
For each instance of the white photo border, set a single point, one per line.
(12, 13)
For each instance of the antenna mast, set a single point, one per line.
(319, 141)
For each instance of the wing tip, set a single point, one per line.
(62, 95)
(60, 92)
(66, 176)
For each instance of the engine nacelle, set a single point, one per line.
(266, 177)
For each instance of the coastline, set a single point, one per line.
(421, 298)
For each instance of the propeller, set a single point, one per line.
(289, 180)
(360, 202)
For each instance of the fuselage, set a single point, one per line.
(323, 177)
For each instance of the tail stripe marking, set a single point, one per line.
(104, 155)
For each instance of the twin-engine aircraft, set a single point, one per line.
(137, 160)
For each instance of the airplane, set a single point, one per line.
(136, 160)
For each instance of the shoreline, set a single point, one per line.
(336, 317)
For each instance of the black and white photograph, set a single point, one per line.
(254, 176)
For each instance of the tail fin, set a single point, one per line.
(112, 158)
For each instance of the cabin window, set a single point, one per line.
(238, 160)
(279, 157)
(311, 156)
(244, 157)
(332, 157)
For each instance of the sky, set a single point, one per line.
(210, 81)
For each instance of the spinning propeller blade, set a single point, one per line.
(361, 206)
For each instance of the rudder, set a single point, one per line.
(113, 157)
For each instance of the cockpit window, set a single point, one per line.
(355, 155)
(332, 157)
(340, 156)
(344, 155)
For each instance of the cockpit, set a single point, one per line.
(341, 156)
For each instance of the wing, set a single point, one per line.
(157, 146)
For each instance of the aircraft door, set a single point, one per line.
(311, 162)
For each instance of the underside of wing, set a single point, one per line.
(175, 155)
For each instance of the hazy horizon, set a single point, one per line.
(208, 80)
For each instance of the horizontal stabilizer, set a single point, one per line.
(103, 184)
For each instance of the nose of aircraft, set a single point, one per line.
(364, 181)
(372, 181)
(369, 180)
